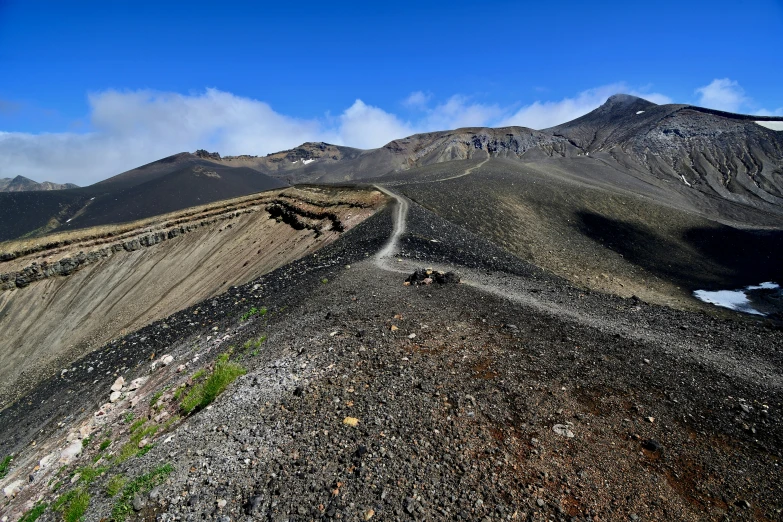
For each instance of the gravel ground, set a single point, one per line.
(512, 396)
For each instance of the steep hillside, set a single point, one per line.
(22, 184)
(171, 184)
(70, 293)
(716, 153)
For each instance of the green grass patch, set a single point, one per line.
(88, 474)
(128, 418)
(127, 451)
(136, 425)
(73, 504)
(146, 449)
(85, 442)
(253, 311)
(202, 395)
(179, 392)
(5, 464)
(105, 444)
(155, 396)
(33, 514)
(115, 485)
(170, 422)
(324, 280)
(198, 375)
(141, 485)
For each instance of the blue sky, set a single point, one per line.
(88, 89)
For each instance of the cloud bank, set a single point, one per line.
(131, 128)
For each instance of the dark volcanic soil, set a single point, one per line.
(555, 404)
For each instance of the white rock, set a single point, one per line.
(115, 396)
(70, 452)
(135, 384)
(48, 460)
(72, 436)
(12, 489)
(134, 401)
(563, 430)
(180, 368)
(118, 384)
(166, 360)
(221, 503)
(76, 478)
(85, 431)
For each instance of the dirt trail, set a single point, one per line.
(518, 290)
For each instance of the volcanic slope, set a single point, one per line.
(174, 183)
(717, 154)
(22, 184)
(511, 396)
(67, 294)
(602, 229)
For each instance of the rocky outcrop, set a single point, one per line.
(23, 184)
(201, 153)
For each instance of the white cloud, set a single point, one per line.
(364, 126)
(458, 112)
(541, 115)
(131, 128)
(417, 99)
(723, 94)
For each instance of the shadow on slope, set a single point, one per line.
(709, 258)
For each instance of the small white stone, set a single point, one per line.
(115, 396)
(166, 360)
(221, 503)
(12, 489)
(118, 384)
(70, 452)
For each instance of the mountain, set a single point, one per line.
(167, 185)
(22, 184)
(717, 153)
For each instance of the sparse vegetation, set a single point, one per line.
(115, 485)
(4, 465)
(105, 444)
(324, 280)
(253, 311)
(254, 345)
(201, 395)
(141, 485)
(88, 474)
(85, 442)
(34, 513)
(155, 396)
(198, 375)
(73, 504)
(128, 418)
(136, 425)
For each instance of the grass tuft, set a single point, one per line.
(5, 464)
(115, 485)
(140, 485)
(253, 311)
(34, 513)
(73, 504)
(202, 395)
(105, 444)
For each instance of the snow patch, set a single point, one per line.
(68, 221)
(774, 125)
(734, 299)
(639, 112)
(307, 161)
(685, 180)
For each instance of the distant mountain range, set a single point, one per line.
(22, 184)
(706, 157)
